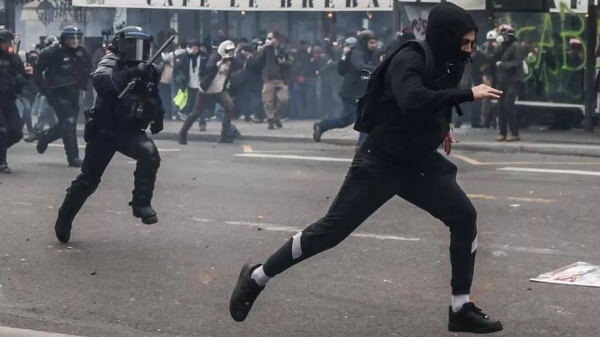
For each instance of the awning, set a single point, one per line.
(578, 6)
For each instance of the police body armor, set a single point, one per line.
(67, 68)
(8, 83)
(139, 105)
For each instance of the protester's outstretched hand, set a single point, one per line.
(483, 91)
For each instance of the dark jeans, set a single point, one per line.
(346, 119)
(507, 112)
(10, 128)
(429, 184)
(202, 102)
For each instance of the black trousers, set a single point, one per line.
(10, 127)
(98, 154)
(371, 182)
(507, 111)
(66, 107)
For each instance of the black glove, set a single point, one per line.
(157, 126)
(139, 70)
(90, 130)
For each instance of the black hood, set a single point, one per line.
(446, 26)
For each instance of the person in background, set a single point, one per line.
(363, 61)
(509, 67)
(175, 58)
(488, 72)
(276, 67)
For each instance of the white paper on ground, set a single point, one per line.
(577, 274)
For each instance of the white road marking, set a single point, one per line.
(290, 229)
(539, 200)
(10, 332)
(278, 228)
(282, 156)
(539, 170)
(83, 147)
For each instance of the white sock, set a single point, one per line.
(458, 301)
(259, 276)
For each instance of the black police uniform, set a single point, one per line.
(61, 72)
(12, 80)
(118, 125)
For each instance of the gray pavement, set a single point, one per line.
(224, 205)
(535, 140)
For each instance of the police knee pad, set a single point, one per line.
(14, 138)
(148, 153)
(86, 182)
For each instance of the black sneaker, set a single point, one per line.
(471, 319)
(278, 123)
(245, 293)
(42, 145)
(317, 132)
(271, 124)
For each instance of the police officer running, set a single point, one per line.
(62, 71)
(119, 124)
(12, 80)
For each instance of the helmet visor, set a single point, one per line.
(135, 49)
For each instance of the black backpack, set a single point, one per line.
(345, 66)
(370, 105)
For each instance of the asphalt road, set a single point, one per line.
(224, 205)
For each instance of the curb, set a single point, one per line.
(582, 150)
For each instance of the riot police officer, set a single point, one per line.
(12, 80)
(119, 124)
(46, 115)
(62, 71)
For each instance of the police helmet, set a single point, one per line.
(50, 40)
(6, 36)
(71, 33)
(132, 44)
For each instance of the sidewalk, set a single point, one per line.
(535, 140)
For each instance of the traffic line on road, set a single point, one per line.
(468, 160)
(83, 147)
(540, 170)
(538, 200)
(11, 332)
(247, 148)
(481, 196)
(293, 157)
(289, 229)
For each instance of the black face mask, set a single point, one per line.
(464, 56)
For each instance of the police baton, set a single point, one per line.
(152, 59)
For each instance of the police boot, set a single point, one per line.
(142, 197)
(70, 142)
(76, 196)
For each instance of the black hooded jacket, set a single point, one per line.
(417, 114)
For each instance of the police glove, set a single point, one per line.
(157, 126)
(139, 70)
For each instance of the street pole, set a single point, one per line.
(10, 12)
(590, 66)
(396, 15)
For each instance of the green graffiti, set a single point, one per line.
(554, 73)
